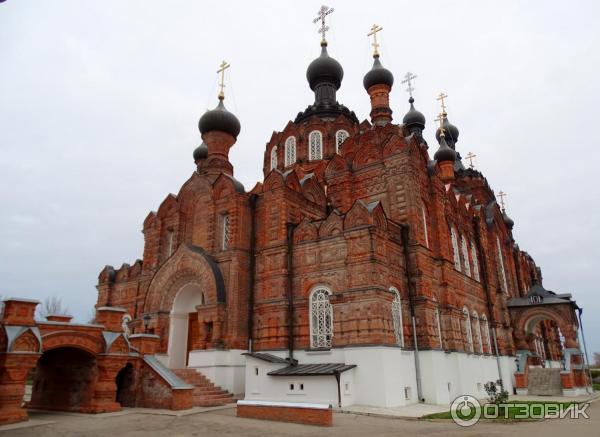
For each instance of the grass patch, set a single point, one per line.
(596, 387)
(512, 411)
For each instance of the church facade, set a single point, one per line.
(365, 268)
(362, 269)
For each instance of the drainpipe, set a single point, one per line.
(484, 282)
(290, 272)
(587, 361)
(404, 230)
(252, 265)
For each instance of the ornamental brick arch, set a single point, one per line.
(91, 344)
(540, 304)
(188, 264)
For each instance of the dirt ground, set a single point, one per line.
(224, 423)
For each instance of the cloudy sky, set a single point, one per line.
(99, 103)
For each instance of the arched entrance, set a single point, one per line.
(183, 324)
(545, 341)
(64, 380)
(125, 386)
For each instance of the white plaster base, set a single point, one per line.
(445, 376)
(224, 368)
(384, 377)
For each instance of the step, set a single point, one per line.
(205, 393)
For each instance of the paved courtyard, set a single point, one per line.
(224, 423)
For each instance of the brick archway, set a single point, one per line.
(188, 264)
(64, 380)
(540, 304)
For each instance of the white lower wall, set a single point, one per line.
(384, 377)
(224, 368)
(445, 376)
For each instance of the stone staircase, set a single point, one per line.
(544, 382)
(206, 394)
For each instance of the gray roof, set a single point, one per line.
(266, 357)
(546, 297)
(312, 369)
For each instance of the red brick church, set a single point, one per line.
(368, 267)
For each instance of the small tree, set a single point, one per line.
(496, 393)
(52, 305)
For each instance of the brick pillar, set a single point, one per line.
(105, 391)
(14, 368)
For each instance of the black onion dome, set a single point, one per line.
(378, 75)
(324, 69)
(201, 152)
(507, 220)
(444, 153)
(414, 117)
(450, 130)
(219, 119)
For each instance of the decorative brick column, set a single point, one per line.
(14, 368)
(105, 391)
(146, 344)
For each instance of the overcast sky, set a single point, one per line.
(99, 103)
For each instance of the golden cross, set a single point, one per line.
(323, 12)
(408, 78)
(376, 28)
(441, 98)
(224, 65)
(440, 118)
(470, 157)
(502, 195)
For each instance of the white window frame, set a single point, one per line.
(321, 318)
(315, 145)
(274, 158)
(475, 262)
(340, 137)
(171, 237)
(503, 281)
(456, 254)
(486, 331)
(290, 151)
(225, 231)
(468, 330)
(397, 317)
(478, 332)
(465, 253)
(424, 217)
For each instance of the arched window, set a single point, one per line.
(486, 334)
(467, 329)
(465, 254)
(424, 218)
(439, 326)
(321, 318)
(226, 236)
(290, 151)
(315, 141)
(340, 137)
(274, 158)
(478, 332)
(397, 317)
(475, 262)
(503, 283)
(455, 248)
